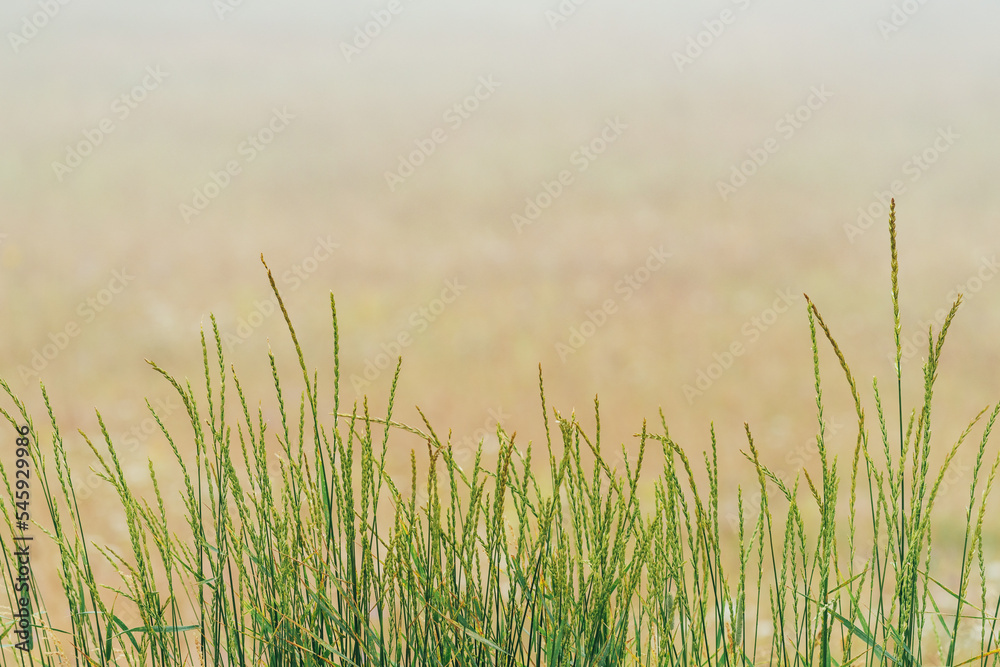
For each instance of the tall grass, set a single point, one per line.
(549, 558)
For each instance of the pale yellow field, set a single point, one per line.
(635, 277)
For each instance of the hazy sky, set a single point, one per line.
(180, 140)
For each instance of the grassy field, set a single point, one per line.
(475, 365)
(100, 269)
(279, 535)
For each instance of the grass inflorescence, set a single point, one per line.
(300, 549)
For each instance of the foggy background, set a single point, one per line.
(903, 95)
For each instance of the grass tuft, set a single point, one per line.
(298, 548)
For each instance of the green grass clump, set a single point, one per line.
(323, 559)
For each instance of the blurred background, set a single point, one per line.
(634, 195)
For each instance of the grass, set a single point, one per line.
(299, 549)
